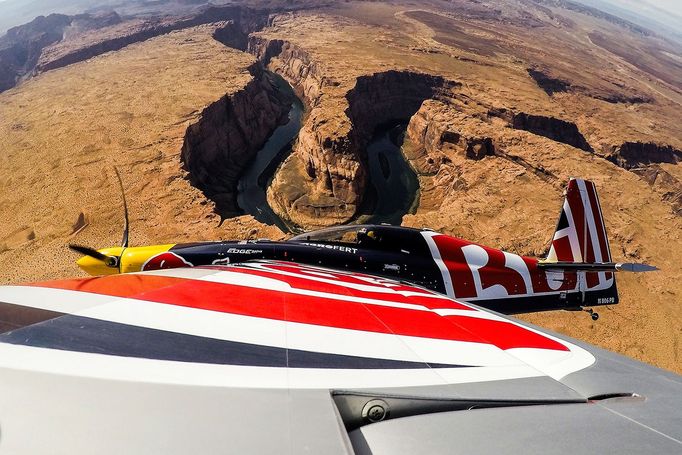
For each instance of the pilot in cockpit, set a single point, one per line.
(368, 238)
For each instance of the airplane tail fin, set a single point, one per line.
(580, 245)
(580, 235)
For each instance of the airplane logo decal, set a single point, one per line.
(165, 260)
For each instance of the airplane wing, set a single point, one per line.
(278, 357)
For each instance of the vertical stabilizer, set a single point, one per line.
(580, 238)
(580, 235)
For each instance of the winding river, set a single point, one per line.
(394, 185)
(254, 183)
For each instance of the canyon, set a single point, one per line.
(503, 102)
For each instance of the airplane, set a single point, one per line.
(577, 273)
(272, 355)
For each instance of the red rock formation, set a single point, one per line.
(20, 48)
(328, 161)
(220, 145)
(636, 154)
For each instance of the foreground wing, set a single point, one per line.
(278, 357)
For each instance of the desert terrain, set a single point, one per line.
(504, 101)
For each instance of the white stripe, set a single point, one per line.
(254, 281)
(375, 284)
(558, 364)
(292, 335)
(603, 225)
(470, 314)
(555, 364)
(435, 253)
(60, 300)
(188, 273)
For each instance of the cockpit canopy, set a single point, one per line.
(379, 237)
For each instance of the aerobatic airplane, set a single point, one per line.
(354, 340)
(577, 272)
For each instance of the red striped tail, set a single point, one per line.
(580, 237)
(580, 234)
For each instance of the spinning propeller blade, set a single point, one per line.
(124, 242)
(110, 261)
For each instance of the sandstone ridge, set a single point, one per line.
(58, 40)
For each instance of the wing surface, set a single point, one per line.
(280, 357)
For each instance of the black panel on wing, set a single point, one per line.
(13, 317)
(76, 333)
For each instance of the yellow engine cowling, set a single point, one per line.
(132, 259)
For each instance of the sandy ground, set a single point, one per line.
(62, 133)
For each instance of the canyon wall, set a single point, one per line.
(631, 155)
(20, 48)
(323, 181)
(647, 159)
(440, 138)
(58, 40)
(218, 148)
(23, 47)
(613, 92)
(553, 128)
(245, 20)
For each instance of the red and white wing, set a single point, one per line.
(270, 325)
(274, 357)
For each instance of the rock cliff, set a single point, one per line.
(323, 181)
(553, 128)
(230, 131)
(58, 40)
(631, 155)
(82, 47)
(21, 46)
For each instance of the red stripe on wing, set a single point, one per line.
(127, 285)
(320, 311)
(310, 279)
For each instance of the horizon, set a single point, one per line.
(657, 10)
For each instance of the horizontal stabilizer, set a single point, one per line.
(635, 267)
(597, 266)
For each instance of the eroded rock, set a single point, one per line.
(553, 128)
(220, 145)
(329, 156)
(243, 21)
(631, 155)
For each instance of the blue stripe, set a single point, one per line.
(76, 333)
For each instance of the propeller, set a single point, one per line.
(109, 260)
(124, 242)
